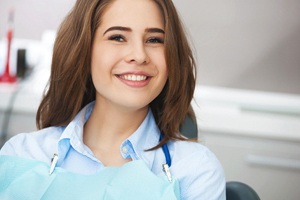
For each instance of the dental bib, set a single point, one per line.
(30, 180)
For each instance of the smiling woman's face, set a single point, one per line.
(128, 58)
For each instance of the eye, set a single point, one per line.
(155, 40)
(118, 38)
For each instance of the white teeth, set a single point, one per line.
(133, 77)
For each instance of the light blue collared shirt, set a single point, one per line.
(199, 172)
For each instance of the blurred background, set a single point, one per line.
(247, 100)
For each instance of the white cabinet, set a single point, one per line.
(271, 167)
(258, 146)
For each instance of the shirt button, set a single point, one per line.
(124, 150)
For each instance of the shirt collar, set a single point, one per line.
(145, 137)
(73, 135)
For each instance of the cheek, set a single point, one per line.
(98, 71)
(94, 60)
(159, 59)
(99, 62)
(163, 70)
(163, 66)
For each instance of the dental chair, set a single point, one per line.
(240, 191)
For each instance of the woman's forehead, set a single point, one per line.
(133, 13)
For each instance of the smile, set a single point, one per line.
(133, 77)
(138, 80)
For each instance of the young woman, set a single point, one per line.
(121, 84)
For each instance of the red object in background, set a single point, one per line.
(6, 76)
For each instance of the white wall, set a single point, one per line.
(240, 44)
(251, 44)
(32, 17)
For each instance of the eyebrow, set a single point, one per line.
(121, 28)
(155, 30)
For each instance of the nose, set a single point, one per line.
(137, 53)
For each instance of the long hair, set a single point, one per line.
(173, 104)
(70, 84)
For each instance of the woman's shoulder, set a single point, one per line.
(187, 149)
(199, 171)
(34, 145)
(196, 154)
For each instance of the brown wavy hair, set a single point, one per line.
(70, 87)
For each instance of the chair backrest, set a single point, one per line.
(240, 191)
(189, 127)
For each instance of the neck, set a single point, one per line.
(108, 126)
